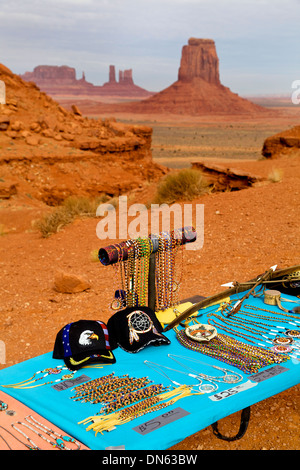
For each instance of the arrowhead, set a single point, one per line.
(229, 284)
(274, 267)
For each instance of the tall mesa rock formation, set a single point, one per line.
(198, 89)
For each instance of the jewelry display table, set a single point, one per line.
(163, 428)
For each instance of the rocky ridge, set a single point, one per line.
(51, 153)
(61, 80)
(283, 143)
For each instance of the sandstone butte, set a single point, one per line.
(50, 153)
(61, 80)
(197, 91)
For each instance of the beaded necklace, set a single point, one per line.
(245, 357)
(277, 328)
(238, 321)
(233, 332)
(30, 447)
(118, 303)
(271, 311)
(167, 287)
(3, 439)
(52, 443)
(170, 271)
(178, 273)
(59, 438)
(49, 371)
(251, 322)
(32, 444)
(160, 273)
(130, 275)
(146, 248)
(241, 325)
(135, 272)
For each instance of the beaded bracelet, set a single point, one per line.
(99, 395)
(96, 390)
(130, 398)
(110, 421)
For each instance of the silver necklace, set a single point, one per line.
(228, 377)
(203, 388)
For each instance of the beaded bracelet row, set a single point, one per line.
(93, 390)
(148, 405)
(99, 396)
(132, 397)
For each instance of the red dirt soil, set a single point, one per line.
(245, 232)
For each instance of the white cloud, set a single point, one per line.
(148, 35)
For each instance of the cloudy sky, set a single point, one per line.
(257, 41)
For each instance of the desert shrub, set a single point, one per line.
(2, 230)
(63, 215)
(80, 206)
(53, 222)
(185, 184)
(275, 176)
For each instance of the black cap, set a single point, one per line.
(83, 342)
(134, 328)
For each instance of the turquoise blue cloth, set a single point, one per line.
(57, 407)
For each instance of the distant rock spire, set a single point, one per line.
(112, 74)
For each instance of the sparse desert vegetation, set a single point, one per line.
(176, 146)
(186, 184)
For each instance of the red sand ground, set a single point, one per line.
(245, 232)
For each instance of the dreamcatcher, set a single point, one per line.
(139, 323)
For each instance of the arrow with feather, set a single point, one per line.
(260, 279)
(278, 274)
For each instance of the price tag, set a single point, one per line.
(267, 374)
(232, 391)
(70, 383)
(161, 421)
